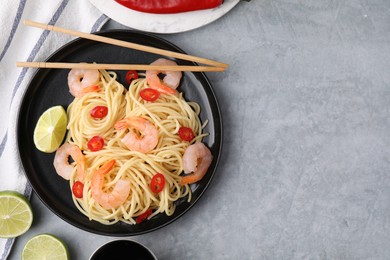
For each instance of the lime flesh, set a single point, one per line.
(45, 246)
(50, 129)
(15, 214)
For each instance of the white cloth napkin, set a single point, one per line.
(23, 43)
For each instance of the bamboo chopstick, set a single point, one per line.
(126, 44)
(64, 65)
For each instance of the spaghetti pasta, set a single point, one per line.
(133, 168)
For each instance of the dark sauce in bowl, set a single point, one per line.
(123, 249)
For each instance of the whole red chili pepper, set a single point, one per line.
(169, 6)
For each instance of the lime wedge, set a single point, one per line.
(15, 214)
(50, 129)
(45, 246)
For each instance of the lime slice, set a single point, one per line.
(50, 129)
(45, 246)
(15, 214)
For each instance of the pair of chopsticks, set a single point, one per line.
(212, 65)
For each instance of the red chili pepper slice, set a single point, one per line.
(169, 6)
(157, 183)
(186, 133)
(77, 189)
(149, 94)
(130, 75)
(99, 111)
(96, 143)
(143, 216)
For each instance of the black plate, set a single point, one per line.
(49, 88)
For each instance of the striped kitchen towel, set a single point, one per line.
(22, 43)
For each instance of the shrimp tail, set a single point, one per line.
(94, 88)
(157, 84)
(106, 167)
(122, 124)
(81, 171)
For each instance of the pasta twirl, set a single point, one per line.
(168, 113)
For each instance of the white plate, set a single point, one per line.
(162, 23)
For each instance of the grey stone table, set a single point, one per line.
(305, 167)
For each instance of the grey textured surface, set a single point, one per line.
(305, 167)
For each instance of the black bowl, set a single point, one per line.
(49, 88)
(123, 249)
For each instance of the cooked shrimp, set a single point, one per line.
(61, 161)
(171, 80)
(82, 81)
(109, 199)
(196, 160)
(148, 139)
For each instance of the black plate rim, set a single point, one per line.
(216, 110)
